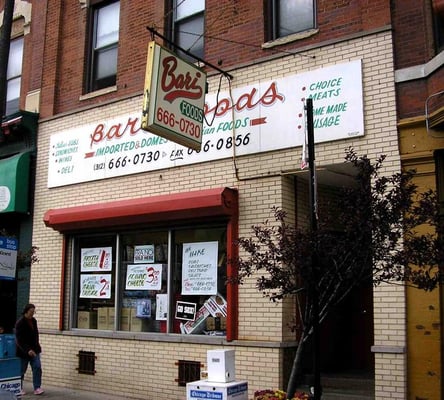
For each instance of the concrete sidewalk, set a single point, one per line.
(53, 392)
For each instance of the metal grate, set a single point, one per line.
(189, 371)
(87, 362)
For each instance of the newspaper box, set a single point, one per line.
(205, 390)
(220, 365)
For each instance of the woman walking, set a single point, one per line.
(28, 347)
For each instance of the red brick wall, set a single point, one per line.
(413, 32)
(414, 46)
(231, 22)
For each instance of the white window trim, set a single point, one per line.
(290, 38)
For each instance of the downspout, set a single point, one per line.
(62, 284)
(232, 286)
(5, 41)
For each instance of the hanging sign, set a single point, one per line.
(174, 97)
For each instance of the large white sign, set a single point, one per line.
(257, 118)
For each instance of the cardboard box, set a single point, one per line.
(111, 318)
(102, 318)
(202, 390)
(216, 323)
(125, 319)
(87, 319)
(137, 324)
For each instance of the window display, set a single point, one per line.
(164, 281)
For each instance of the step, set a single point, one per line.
(346, 387)
(346, 396)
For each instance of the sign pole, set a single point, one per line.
(314, 227)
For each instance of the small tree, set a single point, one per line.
(370, 233)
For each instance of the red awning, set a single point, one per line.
(178, 206)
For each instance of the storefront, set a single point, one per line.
(136, 234)
(123, 262)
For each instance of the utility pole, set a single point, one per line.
(5, 39)
(314, 276)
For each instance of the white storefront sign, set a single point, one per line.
(262, 117)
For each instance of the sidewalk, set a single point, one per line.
(53, 392)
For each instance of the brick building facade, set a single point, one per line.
(94, 198)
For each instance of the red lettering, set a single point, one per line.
(97, 135)
(131, 124)
(115, 131)
(246, 101)
(180, 85)
(271, 95)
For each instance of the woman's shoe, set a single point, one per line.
(39, 391)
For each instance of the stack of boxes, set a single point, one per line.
(10, 374)
(103, 319)
(87, 319)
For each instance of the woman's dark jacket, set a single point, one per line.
(27, 337)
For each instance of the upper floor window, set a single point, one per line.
(438, 24)
(188, 26)
(286, 17)
(14, 76)
(103, 42)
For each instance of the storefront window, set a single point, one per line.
(164, 281)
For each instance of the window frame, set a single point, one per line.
(174, 23)
(120, 263)
(273, 23)
(438, 31)
(13, 106)
(91, 83)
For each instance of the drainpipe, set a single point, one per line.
(5, 39)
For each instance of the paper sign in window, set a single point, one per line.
(199, 268)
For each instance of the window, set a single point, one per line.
(14, 76)
(188, 27)
(163, 281)
(287, 17)
(104, 38)
(438, 24)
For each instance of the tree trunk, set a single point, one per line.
(296, 367)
